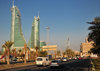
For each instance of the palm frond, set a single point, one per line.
(7, 44)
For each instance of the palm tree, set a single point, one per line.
(28, 52)
(58, 53)
(25, 47)
(37, 50)
(20, 52)
(64, 53)
(70, 52)
(31, 55)
(7, 46)
(15, 54)
(13, 51)
(55, 54)
(43, 53)
(94, 35)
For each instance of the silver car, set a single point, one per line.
(55, 63)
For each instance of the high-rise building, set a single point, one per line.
(16, 31)
(85, 47)
(35, 37)
(42, 43)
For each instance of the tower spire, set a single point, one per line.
(13, 3)
(38, 13)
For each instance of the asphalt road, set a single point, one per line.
(72, 65)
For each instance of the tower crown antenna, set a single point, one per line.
(38, 14)
(13, 3)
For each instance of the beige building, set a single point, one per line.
(85, 48)
(49, 48)
(77, 52)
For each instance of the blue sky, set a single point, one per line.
(66, 18)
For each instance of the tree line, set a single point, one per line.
(94, 35)
(32, 55)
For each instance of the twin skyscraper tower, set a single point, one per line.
(17, 36)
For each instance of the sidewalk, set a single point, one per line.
(3, 67)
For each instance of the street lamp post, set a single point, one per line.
(68, 43)
(47, 28)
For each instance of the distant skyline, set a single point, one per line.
(66, 18)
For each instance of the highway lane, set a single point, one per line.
(72, 65)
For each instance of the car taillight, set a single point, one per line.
(35, 62)
(50, 63)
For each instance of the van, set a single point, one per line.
(44, 61)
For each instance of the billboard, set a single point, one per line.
(49, 48)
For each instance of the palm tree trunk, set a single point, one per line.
(7, 46)
(55, 54)
(28, 54)
(33, 56)
(8, 57)
(36, 55)
(5, 54)
(15, 52)
(25, 46)
(25, 57)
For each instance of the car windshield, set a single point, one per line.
(39, 59)
(63, 58)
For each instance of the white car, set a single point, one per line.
(42, 61)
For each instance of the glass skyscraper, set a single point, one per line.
(35, 40)
(16, 31)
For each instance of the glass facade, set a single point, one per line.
(35, 40)
(31, 41)
(16, 31)
(42, 43)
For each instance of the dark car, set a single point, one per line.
(14, 60)
(55, 63)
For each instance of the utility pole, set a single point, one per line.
(68, 43)
(47, 28)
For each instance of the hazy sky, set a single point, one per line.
(66, 18)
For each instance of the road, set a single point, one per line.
(72, 65)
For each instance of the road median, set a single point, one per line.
(4, 67)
